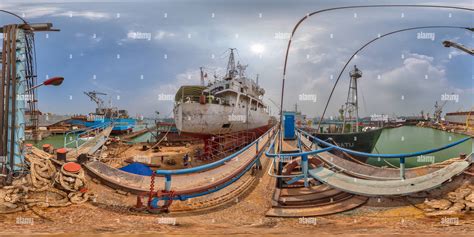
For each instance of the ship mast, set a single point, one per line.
(352, 102)
(231, 71)
(202, 76)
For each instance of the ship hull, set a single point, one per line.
(211, 119)
(361, 141)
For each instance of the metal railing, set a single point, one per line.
(75, 135)
(304, 155)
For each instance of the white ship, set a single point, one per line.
(230, 104)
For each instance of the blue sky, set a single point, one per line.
(98, 49)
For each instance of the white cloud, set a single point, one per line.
(91, 15)
(38, 11)
(163, 34)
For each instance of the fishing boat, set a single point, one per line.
(348, 131)
(105, 114)
(230, 104)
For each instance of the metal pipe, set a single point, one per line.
(7, 79)
(13, 101)
(2, 95)
(13, 14)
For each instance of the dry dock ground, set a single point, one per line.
(243, 216)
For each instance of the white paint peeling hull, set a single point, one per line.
(212, 118)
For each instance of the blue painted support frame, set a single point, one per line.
(304, 157)
(304, 163)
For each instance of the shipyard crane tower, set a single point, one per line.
(352, 101)
(93, 95)
(438, 111)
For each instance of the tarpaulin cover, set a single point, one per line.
(137, 168)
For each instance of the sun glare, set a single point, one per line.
(258, 48)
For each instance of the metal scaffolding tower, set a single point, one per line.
(352, 102)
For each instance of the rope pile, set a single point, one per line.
(44, 186)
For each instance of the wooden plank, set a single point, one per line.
(330, 208)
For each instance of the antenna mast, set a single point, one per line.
(231, 71)
(202, 76)
(352, 102)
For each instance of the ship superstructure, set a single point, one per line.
(230, 104)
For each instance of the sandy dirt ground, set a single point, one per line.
(109, 216)
(116, 156)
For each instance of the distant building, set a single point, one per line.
(460, 118)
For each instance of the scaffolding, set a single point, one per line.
(220, 146)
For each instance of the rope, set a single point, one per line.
(44, 187)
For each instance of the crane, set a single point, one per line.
(448, 44)
(93, 95)
(438, 111)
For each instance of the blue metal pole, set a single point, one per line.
(402, 167)
(168, 182)
(299, 141)
(304, 163)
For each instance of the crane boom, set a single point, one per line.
(93, 95)
(448, 44)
